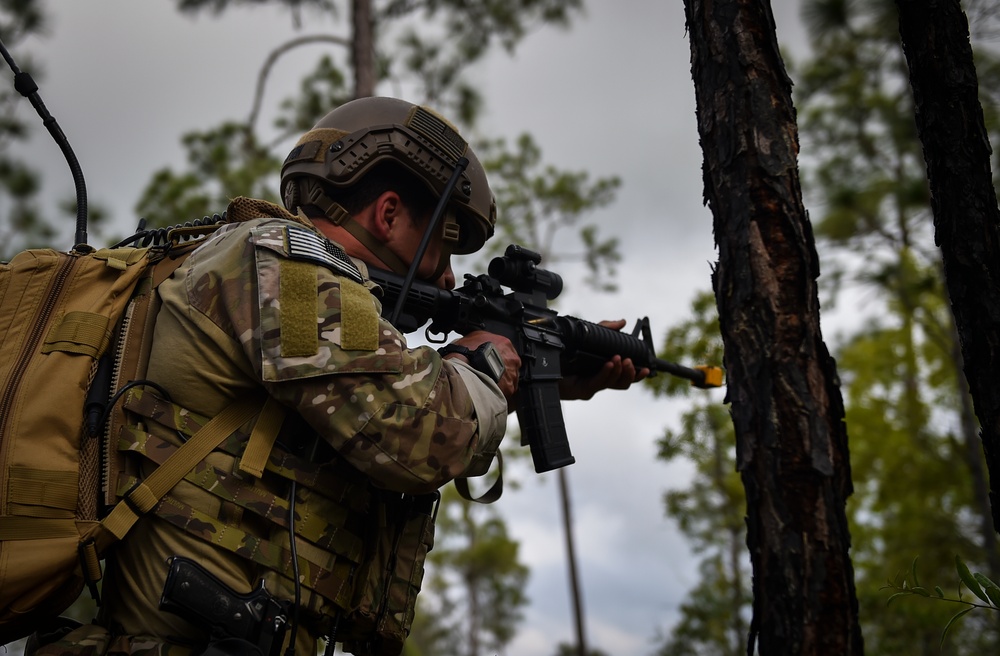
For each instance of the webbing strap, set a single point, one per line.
(369, 241)
(34, 528)
(146, 495)
(335, 480)
(262, 438)
(79, 332)
(325, 528)
(120, 258)
(490, 495)
(43, 487)
(330, 583)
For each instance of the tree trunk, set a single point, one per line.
(363, 48)
(786, 403)
(935, 35)
(575, 591)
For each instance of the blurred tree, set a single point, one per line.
(957, 150)
(710, 512)
(909, 412)
(539, 202)
(476, 580)
(21, 223)
(535, 200)
(791, 441)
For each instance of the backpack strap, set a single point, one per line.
(144, 496)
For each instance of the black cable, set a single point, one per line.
(290, 650)
(25, 85)
(426, 239)
(160, 236)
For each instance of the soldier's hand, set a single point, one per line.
(617, 373)
(511, 360)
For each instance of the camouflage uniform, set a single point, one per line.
(237, 319)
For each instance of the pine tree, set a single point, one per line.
(791, 441)
(913, 436)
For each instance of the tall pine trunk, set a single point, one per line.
(787, 407)
(935, 36)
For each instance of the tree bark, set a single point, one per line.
(935, 35)
(786, 403)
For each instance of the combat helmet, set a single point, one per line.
(352, 139)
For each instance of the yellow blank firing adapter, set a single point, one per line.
(713, 376)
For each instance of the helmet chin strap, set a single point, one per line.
(310, 192)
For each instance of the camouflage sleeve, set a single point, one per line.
(316, 341)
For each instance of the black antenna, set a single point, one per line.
(425, 241)
(25, 85)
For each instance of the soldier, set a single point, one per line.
(277, 306)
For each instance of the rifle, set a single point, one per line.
(551, 346)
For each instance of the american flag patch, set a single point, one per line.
(306, 245)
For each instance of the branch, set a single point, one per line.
(272, 58)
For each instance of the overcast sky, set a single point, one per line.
(613, 96)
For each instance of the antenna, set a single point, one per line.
(425, 241)
(25, 85)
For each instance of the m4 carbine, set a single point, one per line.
(551, 346)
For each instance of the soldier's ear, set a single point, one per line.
(387, 210)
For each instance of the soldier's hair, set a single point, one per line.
(386, 176)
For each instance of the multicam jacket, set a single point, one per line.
(248, 316)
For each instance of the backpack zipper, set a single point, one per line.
(105, 455)
(17, 371)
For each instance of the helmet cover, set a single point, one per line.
(349, 141)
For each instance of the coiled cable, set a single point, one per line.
(154, 237)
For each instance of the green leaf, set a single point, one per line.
(991, 588)
(921, 591)
(993, 593)
(956, 617)
(969, 580)
(913, 571)
(898, 594)
(939, 591)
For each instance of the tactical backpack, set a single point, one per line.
(60, 317)
(65, 319)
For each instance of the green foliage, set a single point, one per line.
(864, 167)
(708, 624)
(710, 512)
(536, 202)
(477, 583)
(223, 163)
(324, 88)
(979, 584)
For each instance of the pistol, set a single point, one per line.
(193, 593)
